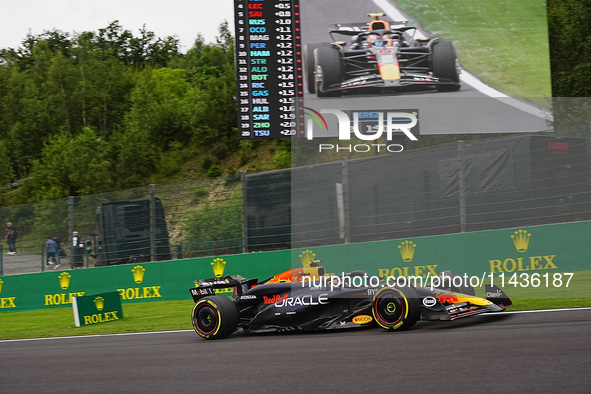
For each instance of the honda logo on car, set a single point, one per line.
(306, 300)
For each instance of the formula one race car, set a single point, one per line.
(379, 54)
(305, 299)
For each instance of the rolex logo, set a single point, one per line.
(64, 279)
(307, 257)
(407, 250)
(218, 266)
(138, 273)
(521, 240)
(99, 302)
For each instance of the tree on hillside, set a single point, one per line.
(106, 110)
(570, 46)
(70, 166)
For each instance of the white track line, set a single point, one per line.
(537, 310)
(468, 78)
(96, 336)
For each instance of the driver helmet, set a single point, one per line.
(375, 40)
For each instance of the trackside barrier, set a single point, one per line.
(548, 249)
(157, 281)
(97, 308)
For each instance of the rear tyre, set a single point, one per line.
(214, 317)
(329, 71)
(396, 308)
(309, 66)
(445, 65)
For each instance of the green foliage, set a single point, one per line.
(214, 171)
(7, 173)
(282, 159)
(106, 110)
(570, 45)
(70, 166)
(216, 224)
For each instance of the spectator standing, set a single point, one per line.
(60, 251)
(77, 251)
(51, 253)
(11, 235)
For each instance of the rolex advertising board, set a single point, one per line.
(145, 282)
(97, 308)
(537, 261)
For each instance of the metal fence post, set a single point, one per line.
(244, 218)
(72, 228)
(179, 250)
(462, 187)
(152, 222)
(346, 206)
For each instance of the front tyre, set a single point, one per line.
(445, 65)
(396, 308)
(214, 317)
(329, 71)
(309, 66)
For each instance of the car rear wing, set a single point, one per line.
(205, 287)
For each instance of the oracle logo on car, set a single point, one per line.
(306, 300)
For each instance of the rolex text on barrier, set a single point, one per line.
(97, 308)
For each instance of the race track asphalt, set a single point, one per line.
(542, 352)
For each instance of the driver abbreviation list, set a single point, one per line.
(268, 68)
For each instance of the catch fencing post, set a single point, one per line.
(72, 228)
(462, 187)
(244, 223)
(152, 222)
(345, 196)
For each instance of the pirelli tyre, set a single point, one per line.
(329, 71)
(309, 66)
(214, 317)
(445, 65)
(396, 308)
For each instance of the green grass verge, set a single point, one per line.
(503, 42)
(163, 316)
(139, 317)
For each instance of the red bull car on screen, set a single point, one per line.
(379, 55)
